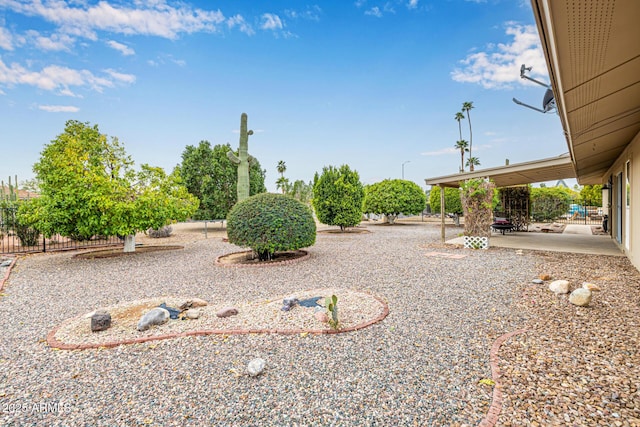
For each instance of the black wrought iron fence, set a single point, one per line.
(16, 238)
(559, 210)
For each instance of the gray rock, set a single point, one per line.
(289, 302)
(156, 316)
(5, 263)
(255, 367)
(537, 281)
(100, 321)
(580, 297)
(559, 286)
(192, 314)
(227, 312)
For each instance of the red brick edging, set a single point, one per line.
(260, 264)
(6, 275)
(53, 342)
(491, 418)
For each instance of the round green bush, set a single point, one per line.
(269, 223)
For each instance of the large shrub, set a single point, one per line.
(268, 223)
(338, 196)
(392, 197)
(549, 203)
(452, 202)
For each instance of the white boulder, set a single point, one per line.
(580, 297)
(559, 286)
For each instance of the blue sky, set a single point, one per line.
(367, 83)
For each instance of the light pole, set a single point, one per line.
(404, 163)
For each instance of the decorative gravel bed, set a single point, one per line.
(356, 309)
(576, 366)
(422, 365)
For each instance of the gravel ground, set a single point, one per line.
(420, 366)
(576, 366)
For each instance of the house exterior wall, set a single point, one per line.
(624, 213)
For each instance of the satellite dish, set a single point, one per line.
(548, 101)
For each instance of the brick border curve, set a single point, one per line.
(53, 342)
(7, 273)
(491, 418)
(261, 265)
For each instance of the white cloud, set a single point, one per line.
(60, 79)
(59, 108)
(55, 42)
(122, 48)
(374, 11)
(149, 18)
(412, 4)
(6, 42)
(360, 3)
(238, 21)
(312, 13)
(125, 78)
(450, 150)
(499, 66)
(271, 22)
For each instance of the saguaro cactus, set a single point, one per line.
(243, 160)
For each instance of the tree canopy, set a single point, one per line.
(452, 201)
(392, 197)
(591, 195)
(88, 187)
(337, 197)
(211, 177)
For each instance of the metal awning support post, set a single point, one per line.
(441, 212)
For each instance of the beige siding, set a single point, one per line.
(630, 229)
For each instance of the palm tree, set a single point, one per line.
(471, 162)
(459, 116)
(282, 181)
(466, 107)
(463, 146)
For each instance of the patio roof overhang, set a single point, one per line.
(551, 169)
(592, 50)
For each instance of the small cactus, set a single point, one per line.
(331, 304)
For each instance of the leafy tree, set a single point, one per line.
(466, 108)
(549, 203)
(211, 177)
(302, 191)
(591, 195)
(463, 146)
(338, 196)
(88, 187)
(392, 197)
(452, 201)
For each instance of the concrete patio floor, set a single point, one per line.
(575, 239)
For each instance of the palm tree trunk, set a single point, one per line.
(470, 138)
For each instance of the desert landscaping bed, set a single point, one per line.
(357, 310)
